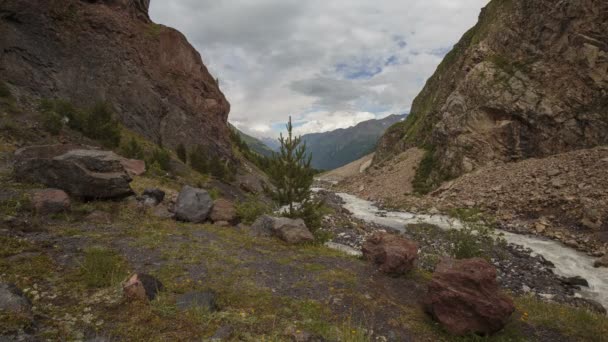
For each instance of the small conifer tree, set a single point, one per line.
(291, 174)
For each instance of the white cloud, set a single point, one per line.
(276, 58)
(328, 121)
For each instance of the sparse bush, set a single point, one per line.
(52, 122)
(250, 209)
(198, 161)
(162, 158)
(221, 169)
(101, 125)
(182, 154)
(132, 149)
(474, 240)
(214, 193)
(102, 267)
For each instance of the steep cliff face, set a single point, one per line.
(86, 51)
(529, 80)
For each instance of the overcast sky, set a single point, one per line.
(328, 63)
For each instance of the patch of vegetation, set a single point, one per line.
(154, 30)
(102, 267)
(132, 149)
(20, 203)
(97, 123)
(262, 162)
(428, 174)
(161, 159)
(250, 209)
(5, 92)
(473, 240)
(207, 163)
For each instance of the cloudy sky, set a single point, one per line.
(327, 63)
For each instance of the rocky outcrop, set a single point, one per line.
(89, 174)
(193, 205)
(393, 254)
(109, 50)
(464, 297)
(142, 287)
(529, 80)
(286, 229)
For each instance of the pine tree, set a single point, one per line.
(290, 173)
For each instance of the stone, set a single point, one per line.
(50, 201)
(223, 210)
(575, 281)
(464, 297)
(134, 167)
(601, 262)
(153, 197)
(205, 300)
(193, 205)
(13, 301)
(88, 174)
(553, 172)
(393, 254)
(286, 229)
(162, 212)
(142, 287)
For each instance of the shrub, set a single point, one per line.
(182, 154)
(198, 161)
(220, 169)
(52, 122)
(250, 209)
(132, 149)
(162, 158)
(102, 267)
(100, 125)
(472, 241)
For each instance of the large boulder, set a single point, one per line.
(193, 205)
(393, 254)
(601, 262)
(50, 201)
(286, 229)
(464, 297)
(84, 173)
(223, 211)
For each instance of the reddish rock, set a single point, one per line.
(50, 201)
(393, 254)
(142, 287)
(223, 210)
(465, 298)
(134, 167)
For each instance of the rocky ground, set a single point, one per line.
(563, 197)
(519, 271)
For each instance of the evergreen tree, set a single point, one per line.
(290, 172)
(182, 153)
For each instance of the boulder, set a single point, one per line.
(12, 300)
(393, 254)
(223, 210)
(286, 229)
(601, 262)
(575, 281)
(203, 300)
(193, 205)
(152, 197)
(89, 174)
(162, 212)
(50, 201)
(142, 287)
(464, 297)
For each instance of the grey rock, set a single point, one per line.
(82, 173)
(288, 230)
(223, 333)
(153, 197)
(205, 300)
(575, 281)
(193, 205)
(13, 301)
(601, 262)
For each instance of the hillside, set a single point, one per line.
(529, 80)
(336, 148)
(256, 144)
(86, 52)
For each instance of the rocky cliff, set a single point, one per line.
(529, 80)
(87, 51)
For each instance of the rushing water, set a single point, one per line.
(568, 262)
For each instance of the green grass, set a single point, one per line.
(102, 268)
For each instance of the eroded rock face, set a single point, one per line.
(193, 205)
(82, 173)
(393, 254)
(464, 297)
(524, 82)
(286, 229)
(154, 79)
